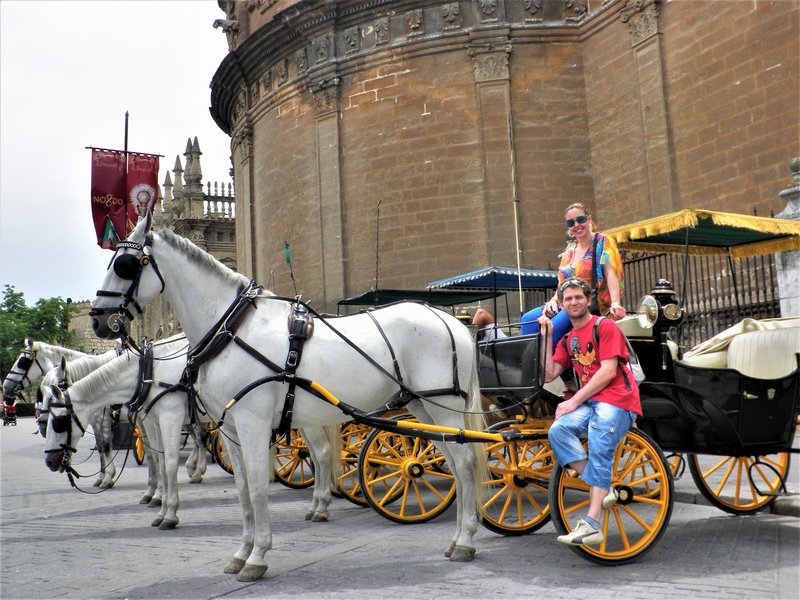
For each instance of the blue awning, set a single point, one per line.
(499, 278)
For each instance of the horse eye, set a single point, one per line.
(61, 423)
(126, 266)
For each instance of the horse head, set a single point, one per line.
(132, 277)
(64, 429)
(25, 370)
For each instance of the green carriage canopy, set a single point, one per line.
(705, 232)
(434, 297)
(499, 279)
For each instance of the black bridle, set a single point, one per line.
(62, 424)
(129, 267)
(19, 373)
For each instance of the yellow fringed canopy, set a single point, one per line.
(703, 232)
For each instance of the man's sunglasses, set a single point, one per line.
(580, 220)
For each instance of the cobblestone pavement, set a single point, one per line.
(58, 543)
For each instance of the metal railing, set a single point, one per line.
(717, 292)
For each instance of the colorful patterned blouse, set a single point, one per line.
(607, 254)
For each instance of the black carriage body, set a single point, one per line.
(510, 366)
(721, 411)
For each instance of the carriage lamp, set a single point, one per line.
(659, 309)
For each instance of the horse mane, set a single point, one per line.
(100, 380)
(57, 351)
(181, 244)
(81, 367)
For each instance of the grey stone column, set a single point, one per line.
(788, 263)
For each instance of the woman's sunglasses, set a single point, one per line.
(580, 220)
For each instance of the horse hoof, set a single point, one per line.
(319, 517)
(449, 552)
(107, 486)
(463, 554)
(196, 479)
(168, 524)
(309, 515)
(251, 573)
(145, 499)
(154, 502)
(157, 521)
(234, 566)
(97, 483)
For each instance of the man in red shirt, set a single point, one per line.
(603, 409)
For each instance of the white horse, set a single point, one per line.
(35, 361)
(433, 351)
(116, 382)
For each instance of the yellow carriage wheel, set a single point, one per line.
(404, 478)
(221, 454)
(293, 466)
(516, 501)
(740, 484)
(138, 445)
(347, 482)
(633, 526)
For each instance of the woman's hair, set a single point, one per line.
(578, 205)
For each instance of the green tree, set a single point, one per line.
(47, 321)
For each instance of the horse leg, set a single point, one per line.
(158, 446)
(101, 425)
(461, 459)
(255, 449)
(109, 471)
(197, 462)
(154, 489)
(170, 429)
(234, 452)
(319, 446)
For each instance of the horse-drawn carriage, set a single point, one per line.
(417, 357)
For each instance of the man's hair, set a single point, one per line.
(574, 282)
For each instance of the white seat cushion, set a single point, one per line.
(767, 354)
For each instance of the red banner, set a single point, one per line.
(108, 196)
(142, 186)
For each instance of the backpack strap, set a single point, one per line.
(596, 338)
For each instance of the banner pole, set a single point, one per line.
(125, 151)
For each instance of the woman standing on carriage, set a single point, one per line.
(586, 248)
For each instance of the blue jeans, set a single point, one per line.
(605, 424)
(560, 321)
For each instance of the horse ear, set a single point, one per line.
(29, 343)
(63, 364)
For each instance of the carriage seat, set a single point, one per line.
(768, 354)
(761, 349)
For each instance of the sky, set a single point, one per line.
(69, 71)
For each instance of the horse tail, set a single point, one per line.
(334, 435)
(475, 420)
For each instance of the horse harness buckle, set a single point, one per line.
(301, 327)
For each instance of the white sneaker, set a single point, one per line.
(582, 534)
(610, 499)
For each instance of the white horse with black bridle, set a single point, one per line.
(150, 387)
(34, 362)
(240, 345)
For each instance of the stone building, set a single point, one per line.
(423, 138)
(205, 216)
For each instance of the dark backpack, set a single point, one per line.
(632, 362)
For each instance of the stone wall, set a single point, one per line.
(452, 114)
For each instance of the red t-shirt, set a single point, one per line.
(586, 361)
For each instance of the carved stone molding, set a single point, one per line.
(490, 64)
(487, 9)
(643, 18)
(243, 139)
(415, 24)
(322, 48)
(352, 39)
(301, 60)
(533, 10)
(575, 10)
(451, 15)
(381, 31)
(325, 96)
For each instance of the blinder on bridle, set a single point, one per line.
(19, 373)
(129, 267)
